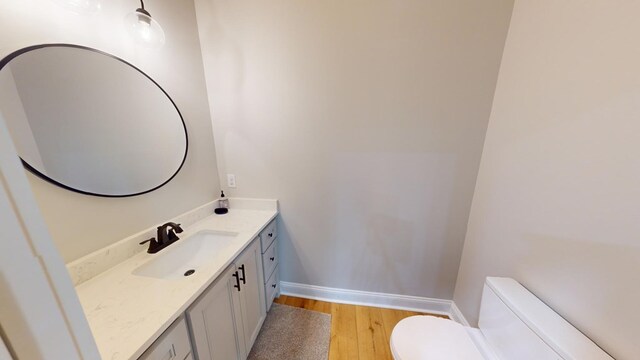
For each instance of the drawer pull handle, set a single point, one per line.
(237, 285)
(272, 258)
(270, 234)
(244, 277)
(273, 286)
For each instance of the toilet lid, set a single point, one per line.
(432, 338)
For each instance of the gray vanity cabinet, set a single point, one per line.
(252, 296)
(215, 319)
(227, 317)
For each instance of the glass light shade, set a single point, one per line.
(144, 29)
(80, 6)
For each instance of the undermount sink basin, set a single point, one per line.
(187, 254)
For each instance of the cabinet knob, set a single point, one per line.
(272, 258)
(273, 286)
(270, 234)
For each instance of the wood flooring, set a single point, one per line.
(357, 332)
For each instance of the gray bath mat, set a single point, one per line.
(292, 333)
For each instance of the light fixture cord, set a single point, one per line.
(142, 4)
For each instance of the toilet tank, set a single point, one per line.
(518, 325)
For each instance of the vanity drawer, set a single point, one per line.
(173, 344)
(268, 235)
(272, 287)
(270, 260)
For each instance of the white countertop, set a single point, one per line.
(127, 312)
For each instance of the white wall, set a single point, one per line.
(557, 199)
(78, 223)
(366, 120)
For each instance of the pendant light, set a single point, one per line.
(143, 28)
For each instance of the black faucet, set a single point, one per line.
(166, 236)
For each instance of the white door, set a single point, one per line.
(249, 265)
(4, 353)
(40, 314)
(216, 321)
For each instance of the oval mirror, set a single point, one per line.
(89, 121)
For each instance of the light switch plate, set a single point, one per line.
(231, 180)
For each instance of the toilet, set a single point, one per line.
(513, 324)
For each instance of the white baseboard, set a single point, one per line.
(366, 298)
(456, 315)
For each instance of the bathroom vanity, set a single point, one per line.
(205, 296)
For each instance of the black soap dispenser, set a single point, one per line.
(223, 205)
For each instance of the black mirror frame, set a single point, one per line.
(39, 174)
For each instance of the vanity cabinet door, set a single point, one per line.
(216, 321)
(173, 344)
(252, 297)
